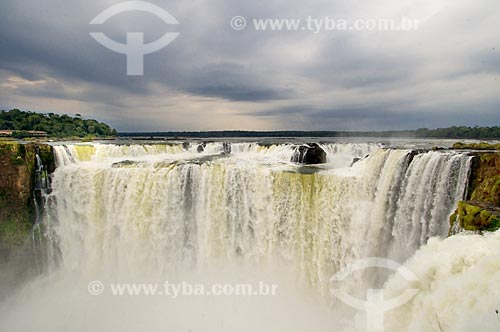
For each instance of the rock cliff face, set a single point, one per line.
(481, 210)
(485, 179)
(17, 186)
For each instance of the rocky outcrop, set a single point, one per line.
(18, 167)
(226, 148)
(484, 184)
(309, 154)
(476, 216)
(476, 146)
(201, 147)
(481, 210)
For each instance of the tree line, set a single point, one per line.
(67, 126)
(54, 125)
(451, 132)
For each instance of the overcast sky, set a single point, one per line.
(213, 77)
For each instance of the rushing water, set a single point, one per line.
(244, 211)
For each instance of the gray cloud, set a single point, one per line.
(212, 77)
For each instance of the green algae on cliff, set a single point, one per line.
(488, 191)
(485, 179)
(481, 211)
(474, 216)
(476, 146)
(17, 183)
(13, 232)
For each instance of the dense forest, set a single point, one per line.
(451, 132)
(55, 125)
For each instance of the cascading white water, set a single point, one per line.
(342, 154)
(432, 186)
(253, 204)
(154, 210)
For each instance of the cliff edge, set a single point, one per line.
(481, 209)
(18, 166)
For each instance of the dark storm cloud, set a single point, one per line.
(239, 93)
(232, 82)
(252, 79)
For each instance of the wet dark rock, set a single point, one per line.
(201, 147)
(412, 155)
(186, 145)
(309, 154)
(226, 148)
(125, 163)
(266, 144)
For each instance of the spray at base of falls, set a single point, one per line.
(458, 286)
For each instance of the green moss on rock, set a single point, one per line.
(478, 217)
(13, 232)
(484, 184)
(17, 166)
(488, 191)
(453, 219)
(475, 146)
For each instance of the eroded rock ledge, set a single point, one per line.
(480, 211)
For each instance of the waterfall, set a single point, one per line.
(169, 207)
(42, 201)
(147, 211)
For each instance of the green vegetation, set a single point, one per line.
(88, 138)
(488, 191)
(473, 217)
(476, 146)
(13, 233)
(482, 210)
(17, 154)
(15, 223)
(460, 132)
(55, 125)
(17, 195)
